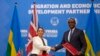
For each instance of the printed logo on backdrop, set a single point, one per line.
(51, 33)
(23, 32)
(54, 21)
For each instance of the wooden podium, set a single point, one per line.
(70, 48)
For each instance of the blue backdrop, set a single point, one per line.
(52, 15)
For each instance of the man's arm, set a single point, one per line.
(60, 45)
(83, 41)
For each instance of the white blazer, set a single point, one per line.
(38, 46)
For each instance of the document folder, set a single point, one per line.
(70, 48)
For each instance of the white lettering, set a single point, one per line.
(81, 5)
(65, 6)
(97, 5)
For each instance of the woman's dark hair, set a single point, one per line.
(40, 28)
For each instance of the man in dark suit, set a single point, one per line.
(75, 37)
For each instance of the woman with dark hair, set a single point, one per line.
(39, 44)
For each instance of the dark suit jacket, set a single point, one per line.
(77, 40)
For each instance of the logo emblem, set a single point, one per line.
(54, 21)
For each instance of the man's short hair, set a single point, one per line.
(72, 19)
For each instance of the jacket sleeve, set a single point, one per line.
(60, 45)
(83, 41)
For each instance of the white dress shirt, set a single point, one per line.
(69, 34)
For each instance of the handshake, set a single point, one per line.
(53, 49)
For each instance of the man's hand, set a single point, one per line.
(79, 53)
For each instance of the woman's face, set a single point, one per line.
(40, 32)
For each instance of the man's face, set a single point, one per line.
(71, 23)
(40, 32)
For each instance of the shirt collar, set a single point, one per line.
(72, 29)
